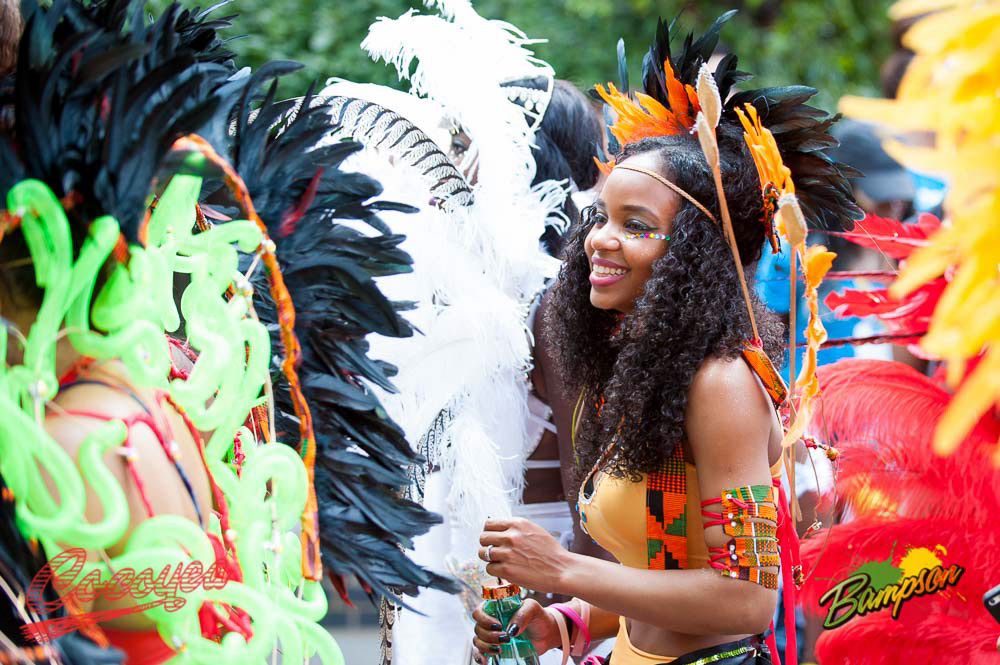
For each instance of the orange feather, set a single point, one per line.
(677, 97)
(643, 116)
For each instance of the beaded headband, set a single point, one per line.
(534, 102)
(678, 190)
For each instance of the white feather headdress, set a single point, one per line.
(462, 62)
(462, 382)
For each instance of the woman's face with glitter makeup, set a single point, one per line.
(619, 246)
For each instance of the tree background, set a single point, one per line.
(834, 45)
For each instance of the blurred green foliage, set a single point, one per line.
(834, 45)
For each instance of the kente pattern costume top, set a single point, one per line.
(669, 537)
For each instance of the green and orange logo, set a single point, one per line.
(880, 585)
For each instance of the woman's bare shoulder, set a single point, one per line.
(722, 378)
(726, 404)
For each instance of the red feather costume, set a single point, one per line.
(881, 416)
(906, 318)
(889, 420)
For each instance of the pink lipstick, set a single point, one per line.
(611, 273)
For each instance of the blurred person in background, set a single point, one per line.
(887, 190)
(566, 141)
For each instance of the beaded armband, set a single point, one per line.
(749, 517)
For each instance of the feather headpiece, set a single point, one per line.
(423, 48)
(775, 177)
(645, 116)
(785, 136)
(800, 132)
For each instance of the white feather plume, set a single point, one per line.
(475, 273)
(461, 61)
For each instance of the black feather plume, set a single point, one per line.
(101, 94)
(802, 132)
(688, 61)
(302, 194)
(99, 98)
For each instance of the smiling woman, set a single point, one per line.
(678, 441)
(666, 291)
(647, 333)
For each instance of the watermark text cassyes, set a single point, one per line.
(166, 586)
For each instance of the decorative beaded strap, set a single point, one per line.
(666, 515)
(732, 653)
(750, 517)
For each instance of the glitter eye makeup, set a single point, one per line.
(654, 236)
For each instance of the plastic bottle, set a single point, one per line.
(502, 602)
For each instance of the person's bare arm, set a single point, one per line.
(729, 426)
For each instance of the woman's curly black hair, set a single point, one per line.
(692, 308)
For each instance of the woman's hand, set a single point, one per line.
(524, 553)
(531, 622)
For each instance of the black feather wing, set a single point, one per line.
(329, 269)
(99, 98)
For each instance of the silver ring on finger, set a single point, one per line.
(489, 551)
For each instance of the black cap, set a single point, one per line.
(885, 179)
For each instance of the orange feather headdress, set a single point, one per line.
(775, 177)
(644, 116)
(669, 103)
